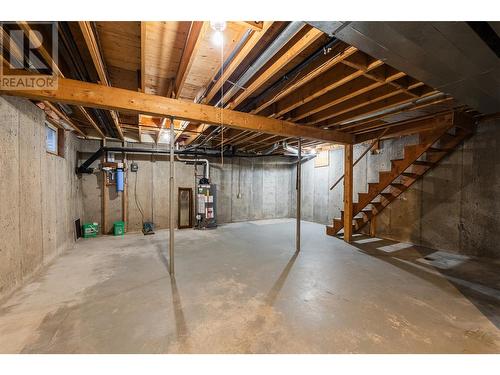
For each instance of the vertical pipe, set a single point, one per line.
(125, 189)
(104, 197)
(299, 196)
(171, 200)
(348, 188)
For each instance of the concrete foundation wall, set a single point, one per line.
(247, 189)
(41, 194)
(454, 207)
(253, 188)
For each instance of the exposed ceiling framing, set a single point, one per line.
(313, 86)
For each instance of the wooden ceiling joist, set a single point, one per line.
(254, 25)
(110, 98)
(317, 67)
(345, 92)
(62, 115)
(366, 109)
(143, 56)
(310, 37)
(379, 94)
(237, 60)
(321, 85)
(190, 47)
(48, 59)
(408, 127)
(95, 53)
(378, 120)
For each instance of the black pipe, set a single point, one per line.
(85, 167)
(280, 83)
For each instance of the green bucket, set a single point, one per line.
(90, 230)
(118, 228)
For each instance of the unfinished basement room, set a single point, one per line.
(250, 187)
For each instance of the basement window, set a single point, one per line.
(54, 140)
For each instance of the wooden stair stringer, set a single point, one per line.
(449, 146)
(411, 154)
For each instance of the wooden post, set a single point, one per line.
(171, 200)
(125, 190)
(104, 196)
(104, 212)
(348, 166)
(373, 226)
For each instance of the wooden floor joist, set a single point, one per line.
(111, 98)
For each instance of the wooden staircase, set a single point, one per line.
(418, 159)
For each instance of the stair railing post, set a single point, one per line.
(348, 189)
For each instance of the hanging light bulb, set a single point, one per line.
(164, 136)
(218, 36)
(218, 25)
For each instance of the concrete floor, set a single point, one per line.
(241, 289)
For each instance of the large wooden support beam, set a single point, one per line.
(348, 181)
(111, 98)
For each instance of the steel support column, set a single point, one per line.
(299, 196)
(171, 200)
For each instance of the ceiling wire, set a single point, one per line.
(222, 103)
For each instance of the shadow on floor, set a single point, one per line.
(476, 279)
(273, 293)
(180, 321)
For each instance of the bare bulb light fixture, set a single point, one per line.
(218, 36)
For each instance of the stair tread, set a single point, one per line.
(388, 195)
(424, 163)
(398, 185)
(411, 175)
(434, 149)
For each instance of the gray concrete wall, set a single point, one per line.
(454, 207)
(247, 188)
(41, 194)
(252, 188)
(147, 189)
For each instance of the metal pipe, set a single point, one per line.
(85, 167)
(290, 76)
(285, 36)
(271, 149)
(299, 191)
(195, 160)
(171, 199)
